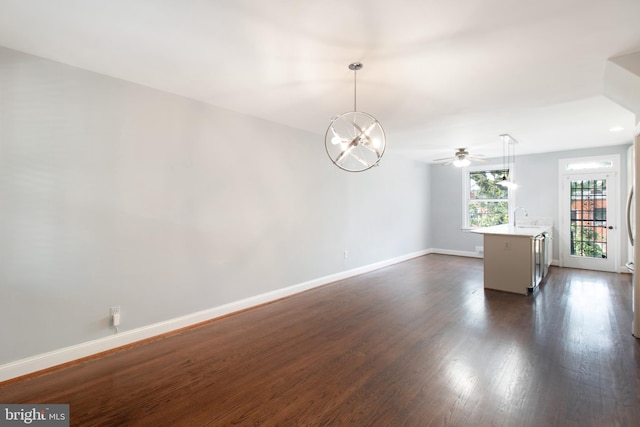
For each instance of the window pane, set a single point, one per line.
(486, 214)
(589, 165)
(484, 185)
(600, 214)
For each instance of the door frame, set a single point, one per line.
(613, 209)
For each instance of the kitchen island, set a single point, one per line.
(516, 258)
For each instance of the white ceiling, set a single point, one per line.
(437, 74)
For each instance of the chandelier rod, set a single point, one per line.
(355, 86)
(355, 67)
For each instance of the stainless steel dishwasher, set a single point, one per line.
(540, 254)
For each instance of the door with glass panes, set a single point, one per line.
(589, 230)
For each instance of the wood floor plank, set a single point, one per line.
(415, 344)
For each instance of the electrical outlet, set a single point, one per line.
(115, 316)
(346, 254)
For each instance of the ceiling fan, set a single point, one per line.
(461, 158)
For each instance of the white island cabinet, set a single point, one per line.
(516, 259)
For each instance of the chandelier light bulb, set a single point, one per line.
(335, 140)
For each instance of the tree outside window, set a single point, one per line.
(487, 201)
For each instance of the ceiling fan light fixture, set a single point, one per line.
(355, 141)
(461, 163)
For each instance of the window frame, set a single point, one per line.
(466, 190)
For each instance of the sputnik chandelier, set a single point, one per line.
(355, 141)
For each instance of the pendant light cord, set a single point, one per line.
(504, 159)
(513, 156)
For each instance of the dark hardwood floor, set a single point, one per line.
(416, 344)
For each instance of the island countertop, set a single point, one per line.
(510, 230)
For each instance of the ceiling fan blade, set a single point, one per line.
(460, 154)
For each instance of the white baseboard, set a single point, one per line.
(456, 253)
(53, 358)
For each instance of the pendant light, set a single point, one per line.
(355, 141)
(508, 161)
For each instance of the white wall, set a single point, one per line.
(538, 192)
(113, 193)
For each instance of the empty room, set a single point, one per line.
(363, 213)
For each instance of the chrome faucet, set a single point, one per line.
(516, 210)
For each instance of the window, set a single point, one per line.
(487, 202)
(581, 165)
